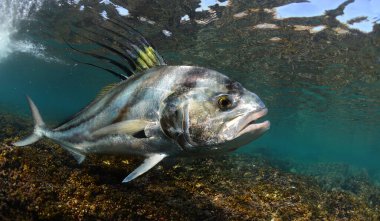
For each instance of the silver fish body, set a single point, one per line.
(164, 111)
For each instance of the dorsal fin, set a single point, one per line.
(105, 89)
(129, 51)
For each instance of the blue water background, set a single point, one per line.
(310, 123)
(60, 90)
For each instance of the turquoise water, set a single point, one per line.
(321, 87)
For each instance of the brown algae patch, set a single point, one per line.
(44, 182)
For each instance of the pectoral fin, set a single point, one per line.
(148, 163)
(125, 127)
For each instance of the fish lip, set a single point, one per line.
(249, 126)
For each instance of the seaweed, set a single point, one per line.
(43, 182)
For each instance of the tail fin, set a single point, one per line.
(38, 128)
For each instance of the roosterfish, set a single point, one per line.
(157, 111)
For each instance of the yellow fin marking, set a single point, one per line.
(151, 54)
(146, 58)
(142, 63)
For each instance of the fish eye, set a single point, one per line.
(224, 102)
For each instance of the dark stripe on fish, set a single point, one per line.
(127, 107)
(193, 77)
(134, 98)
(233, 86)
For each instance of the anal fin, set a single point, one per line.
(79, 157)
(148, 163)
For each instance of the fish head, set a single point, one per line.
(208, 111)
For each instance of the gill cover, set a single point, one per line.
(191, 118)
(174, 121)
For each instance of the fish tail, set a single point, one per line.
(39, 127)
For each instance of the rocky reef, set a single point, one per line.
(43, 182)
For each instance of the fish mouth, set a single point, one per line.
(250, 127)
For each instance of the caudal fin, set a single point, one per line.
(38, 128)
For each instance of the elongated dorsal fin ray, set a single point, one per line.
(127, 70)
(127, 48)
(148, 164)
(115, 51)
(121, 76)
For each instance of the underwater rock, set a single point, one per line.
(44, 182)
